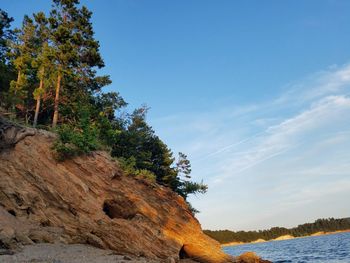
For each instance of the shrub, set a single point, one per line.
(145, 174)
(128, 166)
(73, 141)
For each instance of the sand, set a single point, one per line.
(60, 253)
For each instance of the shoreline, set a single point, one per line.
(284, 237)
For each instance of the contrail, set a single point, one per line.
(223, 149)
(219, 179)
(263, 160)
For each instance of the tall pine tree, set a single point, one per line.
(43, 60)
(77, 53)
(63, 31)
(22, 53)
(6, 70)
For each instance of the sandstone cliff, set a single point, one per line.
(88, 200)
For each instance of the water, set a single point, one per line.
(329, 248)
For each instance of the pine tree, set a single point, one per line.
(6, 34)
(63, 29)
(185, 185)
(88, 53)
(43, 60)
(77, 53)
(6, 70)
(183, 167)
(22, 53)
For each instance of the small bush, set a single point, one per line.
(145, 174)
(128, 167)
(74, 141)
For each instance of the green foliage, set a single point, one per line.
(6, 34)
(183, 166)
(325, 225)
(128, 165)
(137, 140)
(192, 209)
(188, 187)
(146, 175)
(139, 148)
(18, 91)
(43, 61)
(7, 72)
(129, 168)
(78, 139)
(184, 186)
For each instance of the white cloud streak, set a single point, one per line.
(277, 149)
(288, 134)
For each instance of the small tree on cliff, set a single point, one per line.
(183, 167)
(186, 186)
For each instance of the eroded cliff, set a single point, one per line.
(88, 200)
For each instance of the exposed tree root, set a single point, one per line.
(11, 133)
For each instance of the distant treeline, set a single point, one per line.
(325, 225)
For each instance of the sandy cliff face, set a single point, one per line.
(88, 200)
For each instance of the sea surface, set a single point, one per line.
(328, 248)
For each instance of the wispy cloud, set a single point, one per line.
(288, 134)
(214, 132)
(333, 81)
(278, 146)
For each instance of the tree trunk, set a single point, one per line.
(38, 101)
(55, 114)
(37, 108)
(15, 91)
(18, 78)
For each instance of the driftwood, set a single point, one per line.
(11, 133)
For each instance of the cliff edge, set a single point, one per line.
(88, 200)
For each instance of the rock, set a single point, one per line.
(94, 241)
(41, 235)
(250, 257)
(7, 232)
(6, 252)
(7, 238)
(83, 201)
(13, 232)
(205, 254)
(23, 239)
(170, 260)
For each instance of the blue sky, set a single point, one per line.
(255, 92)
